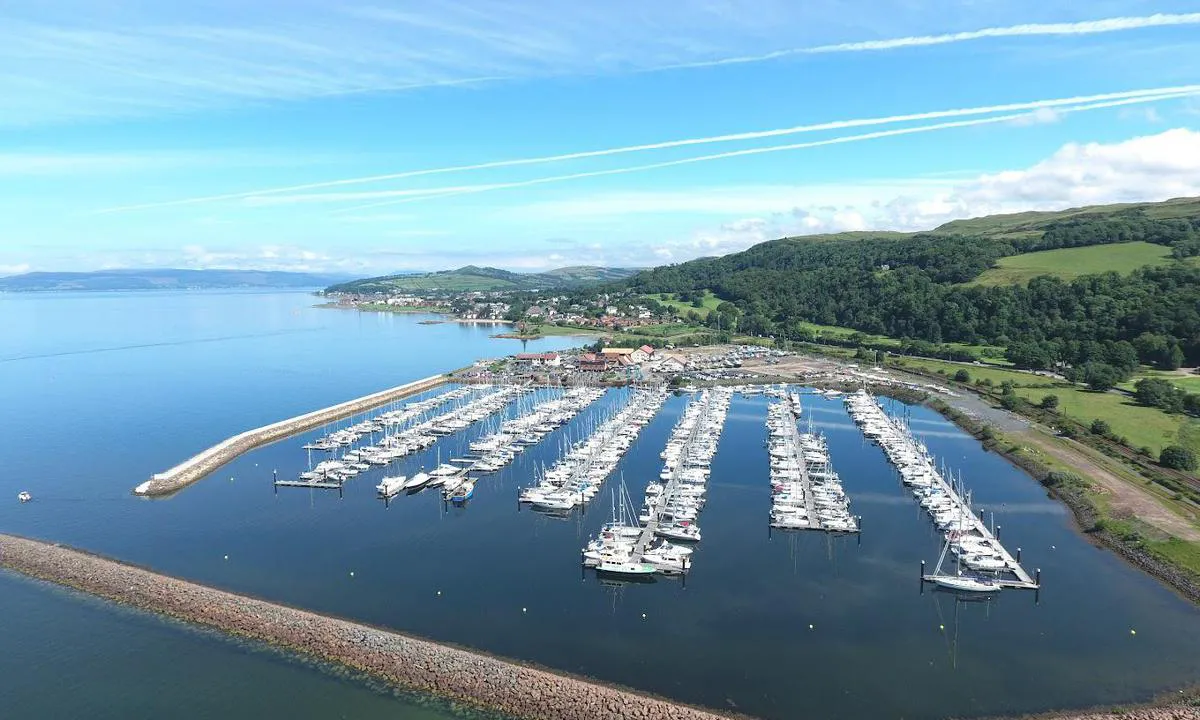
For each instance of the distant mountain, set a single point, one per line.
(163, 279)
(483, 279)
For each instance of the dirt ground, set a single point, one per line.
(1123, 496)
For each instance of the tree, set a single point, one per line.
(1010, 401)
(1191, 404)
(1159, 393)
(962, 376)
(1177, 458)
(1099, 427)
(1101, 377)
(1049, 402)
(1007, 387)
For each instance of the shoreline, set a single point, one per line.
(480, 680)
(444, 671)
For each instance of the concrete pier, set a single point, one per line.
(203, 463)
(476, 679)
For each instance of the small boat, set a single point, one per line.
(966, 583)
(390, 486)
(24, 496)
(464, 492)
(417, 481)
(627, 568)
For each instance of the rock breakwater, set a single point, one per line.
(473, 678)
(203, 463)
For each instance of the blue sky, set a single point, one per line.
(235, 134)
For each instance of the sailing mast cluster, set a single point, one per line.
(806, 492)
(500, 448)
(671, 506)
(982, 563)
(394, 445)
(577, 476)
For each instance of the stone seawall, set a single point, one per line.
(479, 680)
(203, 463)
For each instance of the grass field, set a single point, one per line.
(1141, 426)
(1069, 263)
(981, 372)
(710, 303)
(1188, 382)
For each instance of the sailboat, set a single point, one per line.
(960, 581)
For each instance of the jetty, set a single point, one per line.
(479, 680)
(975, 543)
(206, 461)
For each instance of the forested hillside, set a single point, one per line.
(916, 288)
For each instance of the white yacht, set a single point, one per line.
(389, 486)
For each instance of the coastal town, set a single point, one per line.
(577, 309)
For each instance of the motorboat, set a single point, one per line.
(24, 496)
(417, 481)
(389, 486)
(464, 492)
(626, 568)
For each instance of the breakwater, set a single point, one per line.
(204, 462)
(479, 680)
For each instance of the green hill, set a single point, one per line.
(1004, 281)
(473, 278)
(1034, 224)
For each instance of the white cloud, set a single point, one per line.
(15, 269)
(1038, 111)
(1142, 169)
(1086, 27)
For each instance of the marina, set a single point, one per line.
(666, 530)
(584, 466)
(391, 446)
(806, 492)
(811, 625)
(982, 562)
(203, 463)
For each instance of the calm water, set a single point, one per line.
(100, 391)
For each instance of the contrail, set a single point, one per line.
(732, 137)
(432, 193)
(1087, 27)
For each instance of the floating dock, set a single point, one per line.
(1013, 575)
(203, 463)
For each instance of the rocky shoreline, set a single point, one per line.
(472, 678)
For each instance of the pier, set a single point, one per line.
(206, 461)
(806, 492)
(917, 469)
